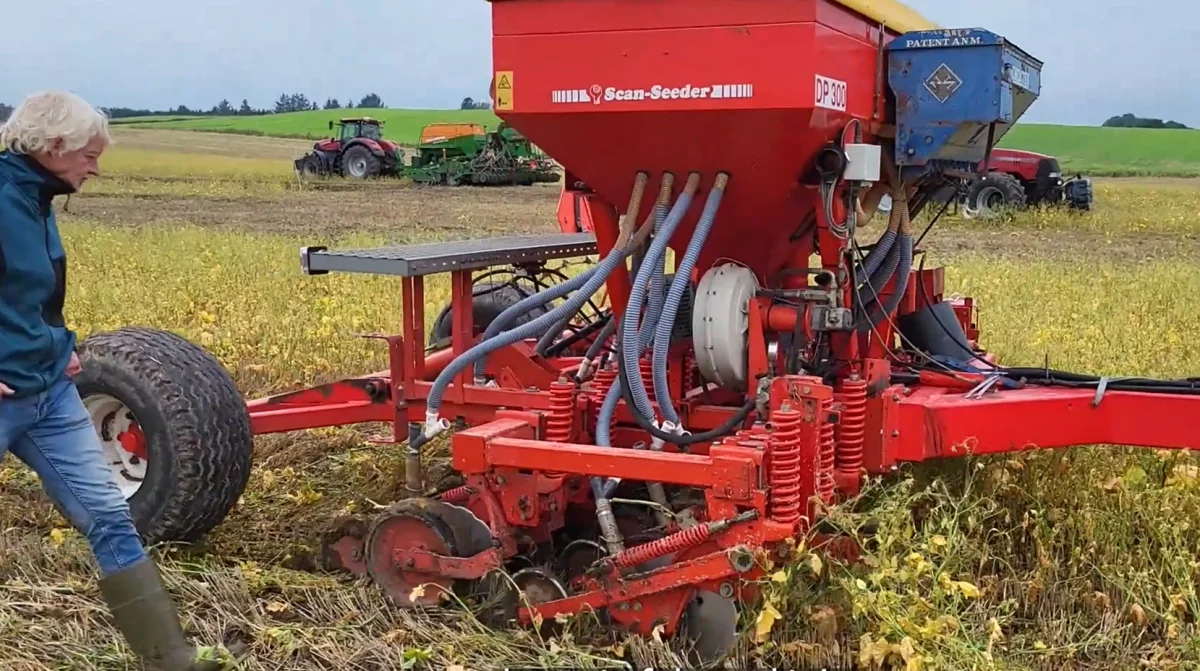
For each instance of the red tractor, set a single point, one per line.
(358, 151)
(1016, 179)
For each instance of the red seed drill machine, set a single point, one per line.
(640, 464)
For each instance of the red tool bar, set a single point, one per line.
(503, 443)
(733, 477)
(935, 423)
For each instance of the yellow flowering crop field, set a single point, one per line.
(1080, 559)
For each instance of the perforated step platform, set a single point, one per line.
(442, 257)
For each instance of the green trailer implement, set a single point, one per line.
(467, 154)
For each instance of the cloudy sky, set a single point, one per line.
(1140, 58)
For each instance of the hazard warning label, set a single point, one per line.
(504, 89)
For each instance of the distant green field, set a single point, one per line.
(1113, 151)
(137, 120)
(1093, 151)
(402, 126)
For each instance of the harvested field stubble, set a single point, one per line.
(1081, 559)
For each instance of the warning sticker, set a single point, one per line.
(504, 89)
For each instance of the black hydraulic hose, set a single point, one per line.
(551, 333)
(1062, 378)
(882, 273)
(1053, 378)
(896, 264)
(605, 324)
(610, 327)
(874, 311)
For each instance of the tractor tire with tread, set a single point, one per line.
(196, 425)
(996, 189)
(356, 155)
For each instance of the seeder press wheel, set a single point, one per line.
(426, 525)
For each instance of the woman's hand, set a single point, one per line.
(5, 390)
(73, 366)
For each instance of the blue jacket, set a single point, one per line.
(35, 344)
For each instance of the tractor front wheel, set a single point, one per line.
(174, 428)
(360, 163)
(992, 193)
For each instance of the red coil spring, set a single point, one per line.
(604, 379)
(825, 482)
(783, 473)
(456, 495)
(663, 546)
(852, 426)
(560, 422)
(647, 366)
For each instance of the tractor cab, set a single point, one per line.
(349, 129)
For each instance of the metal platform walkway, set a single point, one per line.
(442, 257)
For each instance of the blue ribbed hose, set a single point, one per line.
(529, 304)
(658, 274)
(604, 438)
(632, 345)
(609, 407)
(666, 322)
(600, 487)
(662, 207)
(603, 270)
(658, 279)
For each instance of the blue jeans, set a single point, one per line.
(52, 433)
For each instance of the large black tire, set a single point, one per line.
(198, 440)
(488, 301)
(994, 192)
(358, 162)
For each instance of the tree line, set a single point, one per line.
(1131, 121)
(287, 102)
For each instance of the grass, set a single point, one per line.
(400, 125)
(1113, 151)
(1089, 150)
(1079, 559)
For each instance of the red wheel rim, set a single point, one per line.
(406, 587)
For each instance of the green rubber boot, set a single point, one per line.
(145, 614)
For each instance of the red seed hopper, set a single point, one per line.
(635, 439)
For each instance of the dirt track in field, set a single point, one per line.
(401, 213)
(217, 144)
(406, 213)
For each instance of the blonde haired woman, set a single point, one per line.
(51, 145)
